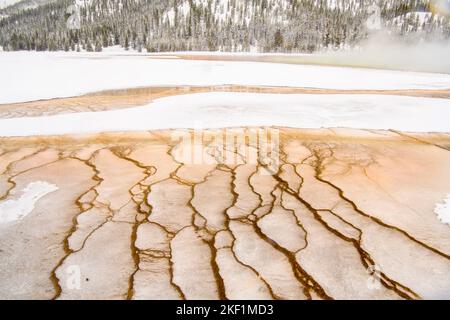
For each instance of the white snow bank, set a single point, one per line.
(443, 210)
(6, 3)
(232, 53)
(16, 209)
(220, 110)
(31, 76)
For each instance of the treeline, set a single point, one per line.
(228, 25)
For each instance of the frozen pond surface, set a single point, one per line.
(33, 76)
(221, 110)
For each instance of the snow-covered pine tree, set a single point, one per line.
(228, 25)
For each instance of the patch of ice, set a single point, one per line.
(16, 209)
(34, 75)
(443, 210)
(228, 109)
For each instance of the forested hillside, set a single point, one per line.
(228, 25)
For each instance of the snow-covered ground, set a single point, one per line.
(5, 3)
(419, 19)
(30, 76)
(443, 210)
(221, 110)
(15, 209)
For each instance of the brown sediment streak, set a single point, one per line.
(172, 282)
(302, 180)
(301, 275)
(119, 152)
(297, 221)
(298, 272)
(407, 136)
(298, 191)
(96, 177)
(136, 259)
(219, 281)
(252, 187)
(8, 168)
(298, 175)
(13, 184)
(148, 170)
(214, 267)
(173, 175)
(272, 294)
(366, 259)
(285, 188)
(134, 234)
(10, 179)
(126, 98)
(344, 221)
(171, 235)
(227, 224)
(318, 172)
(235, 197)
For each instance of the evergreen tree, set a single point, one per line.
(164, 25)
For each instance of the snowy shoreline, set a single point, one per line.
(43, 75)
(224, 110)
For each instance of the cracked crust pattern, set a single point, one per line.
(348, 214)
